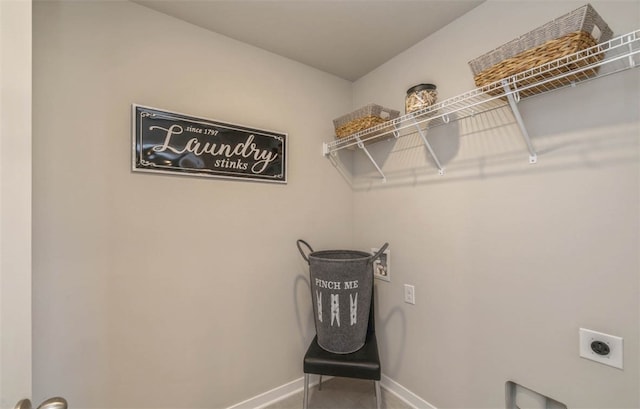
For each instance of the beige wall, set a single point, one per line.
(164, 291)
(15, 202)
(508, 259)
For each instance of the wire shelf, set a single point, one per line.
(613, 56)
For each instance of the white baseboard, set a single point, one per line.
(277, 393)
(404, 394)
(296, 386)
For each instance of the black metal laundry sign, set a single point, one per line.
(168, 142)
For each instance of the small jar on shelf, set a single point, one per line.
(419, 97)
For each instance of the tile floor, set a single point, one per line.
(342, 393)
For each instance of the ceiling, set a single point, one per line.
(347, 38)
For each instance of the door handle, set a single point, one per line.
(51, 403)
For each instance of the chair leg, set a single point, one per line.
(320, 383)
(305, 402)
(378, 395)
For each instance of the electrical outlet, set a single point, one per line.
(599, 347)
(381, 266)
(409, 294)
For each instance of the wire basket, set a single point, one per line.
(566, 35)
(363, 118)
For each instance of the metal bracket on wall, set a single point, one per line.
(513, 96)
(360, 144)
(423, 135)
(331, 155)
(364, 149)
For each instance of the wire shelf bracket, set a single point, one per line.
(513, 96)
(360, 145)
(423, 135)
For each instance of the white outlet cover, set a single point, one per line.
(409, 294)
(615, 344)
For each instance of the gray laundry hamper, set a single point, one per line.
(341, 288)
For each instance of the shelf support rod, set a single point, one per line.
(513, 103)
(632, 62)
(428, 145)
(396, 130)
(366, 151)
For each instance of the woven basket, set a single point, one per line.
(568, 34)
(364, 118)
